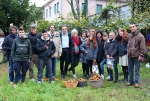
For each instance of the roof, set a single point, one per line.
(49, 2)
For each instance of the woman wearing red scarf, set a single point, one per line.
(75, 44)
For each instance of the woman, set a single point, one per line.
(123, 58)
(90, 49)
(75, 43)
(82, 58)
(100, 53)
(93, 32)
(106, 40)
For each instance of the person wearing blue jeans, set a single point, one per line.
(7, 46)
(102, 69)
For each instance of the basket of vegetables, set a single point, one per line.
(96, 81)
(82, 82)
(70, 83)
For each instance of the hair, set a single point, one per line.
(99, 31)
(124, 35)
(12, 27)
(21, 29)
(44, 31)
(93, 30)
(105, 34)
(74, 30)
(32, 27)
(84, 32)
(94, 41)
(133, 24)
(64, 26)
(53, 25)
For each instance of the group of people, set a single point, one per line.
(92, 48)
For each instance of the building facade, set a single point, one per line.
(54, 8)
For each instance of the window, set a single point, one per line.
(50, 12)
(58, 7)
(98, 8)
(83, 4)
(46, 13)
(55, 11)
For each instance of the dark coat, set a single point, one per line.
(100, 53)
(43, 52)
(111, 49)
(122, 48)
(33, 39)
(82, 57)
(7, 44)
(74, 57)
(70, 43)
(21, 49)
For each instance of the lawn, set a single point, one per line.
(56, 92)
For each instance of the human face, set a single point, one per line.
(83, 35)
(111, 35)
(99, 35)
(64, 30)
(33, 31)
(21, 33)
(91, 37)
(13, 30)
(105, 38)
(52, 28)
(120, 32)
(45, 35)
(133, 28)
(91, 32)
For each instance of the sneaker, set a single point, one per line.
(129, 84)
(15, 85)
(32, 80)
(136, 85)
(11, 83)
(39, 82)
(52, 81)
(55, 79)
(46, 79)
(108, 77)
(102, 76)
(74, 75)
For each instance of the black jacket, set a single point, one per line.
(43, 52)
(21, 49)
(111, 49)
(33, 39)
(100, 53)
(7, 44)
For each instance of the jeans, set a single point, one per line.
(23, 67)
(102, 67)
(134, 63)
(116, 72)
(42, 64)
(11, 71)
(54, 62)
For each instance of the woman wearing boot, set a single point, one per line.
(123, 58)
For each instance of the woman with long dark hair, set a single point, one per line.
(123, 58)
(90, 49)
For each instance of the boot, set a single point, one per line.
(126, 76)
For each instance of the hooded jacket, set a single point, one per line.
(21, 49)
(43, 52)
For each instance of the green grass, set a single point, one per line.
(56, 92)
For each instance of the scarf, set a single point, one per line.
(76, 44)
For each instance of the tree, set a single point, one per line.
(18, 12)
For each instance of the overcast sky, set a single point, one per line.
(39, 3)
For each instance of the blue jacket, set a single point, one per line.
(7, 44)
(122, 48)
(43, 52)
(91, 51)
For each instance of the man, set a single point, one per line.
(55, 37)
(45, 50)
(136, 50)
(33, 37)
(21, 55)
(7, 45)
(111, 52)
(66, 40)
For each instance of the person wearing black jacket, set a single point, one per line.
(111, 52)
(100, 53)
(7, 46)
(21, 55)
(46, 49)
(33, 37)
(66, 54)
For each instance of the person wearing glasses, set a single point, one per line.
(65, 56)
(136, 49)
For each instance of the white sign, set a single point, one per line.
(1, 42)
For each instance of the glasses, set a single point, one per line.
(63, 29)
(132, 27)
